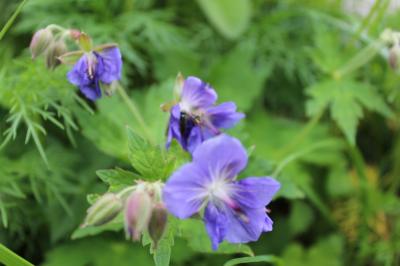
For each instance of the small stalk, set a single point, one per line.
(299, 138)
(135, 112)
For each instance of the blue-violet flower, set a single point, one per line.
(234, 209)
(94, 68)
(196, 117)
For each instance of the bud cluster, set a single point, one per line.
(142, 208)
(50, 42)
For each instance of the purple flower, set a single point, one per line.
(196, 118)
(234, 209)
(95, 67)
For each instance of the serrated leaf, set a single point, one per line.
(345, 100)
(117, 179)
(149, 160)
(230, 18)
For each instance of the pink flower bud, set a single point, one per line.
(103, 210)
(41, 40)
(158, 222)
(74, 34)
(138, 209)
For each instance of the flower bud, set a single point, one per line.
(394, 57)
(41, 40)
(137, 213)
(54, 51)
(103, 210)
(158, 222)
(74, 34)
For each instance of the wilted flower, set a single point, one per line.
(196, 118)
(234, 209)
(94, 68)
(103, 210)
(158, 222)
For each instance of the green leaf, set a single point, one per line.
(301, 217)
(195, 234)
(150, 161)
(117, 179)
(230, 18)
(262, 258)
(345, 100)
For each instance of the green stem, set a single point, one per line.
(11, 20)
(299, 138)
(135, 112)
(359, 164)
(360, 59)
(9, 258)
(297, 155)
(367, 20)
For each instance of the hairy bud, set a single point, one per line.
(41, 40)
(103, 210)
(138, 209)
(158, 222)
(54, 51)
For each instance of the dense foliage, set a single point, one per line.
(322, 117)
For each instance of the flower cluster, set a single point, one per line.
(94, 67)
(233, 209)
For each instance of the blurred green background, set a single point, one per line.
(322, 107)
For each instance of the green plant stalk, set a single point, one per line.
(367, 20)
(9, 258)
(299, 138)
(12, 19)
(359, 60)
(135, 112)
(359, 164)
(262, 258)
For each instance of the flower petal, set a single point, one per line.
(173, 127)
(255, 192)
(91, 91)
(196, 94)
(183, 194)
(111, 65)
(245, 230)
(224, 115)
(215, 221)
(222, 156)
(78, 74)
